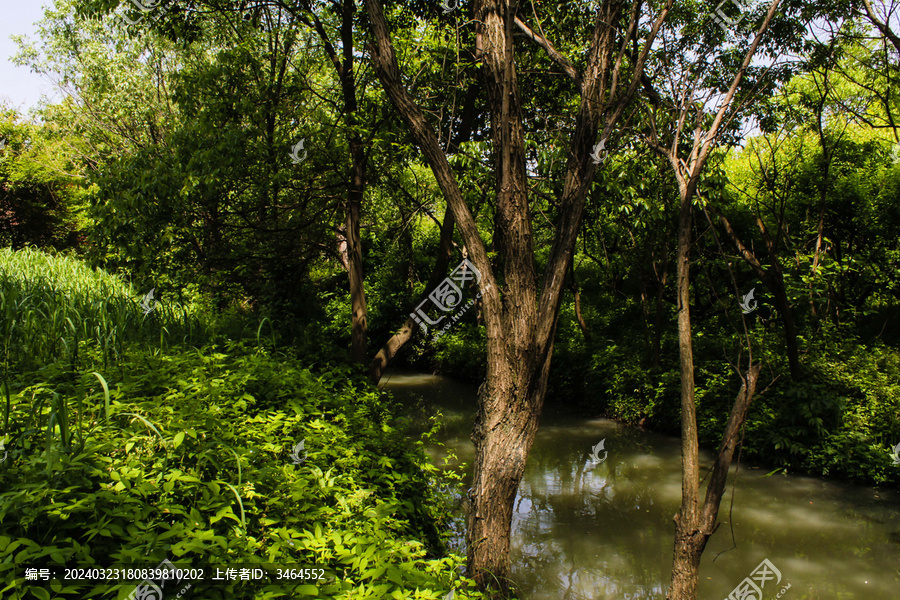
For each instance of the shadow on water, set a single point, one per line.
(601, 529)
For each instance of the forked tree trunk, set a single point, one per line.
(521, 322)
(696, 522)
(692, 533)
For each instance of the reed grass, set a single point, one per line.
(51, 307)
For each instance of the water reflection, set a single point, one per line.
(604, 531)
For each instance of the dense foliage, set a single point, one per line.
(167, 451)
(226, 153)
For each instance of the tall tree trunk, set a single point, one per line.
(510, 402)
(688, 543)
(359, 326)
(520, 322)
(695, 523)
(343, 66)
(359, 323)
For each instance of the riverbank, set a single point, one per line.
(839, 421)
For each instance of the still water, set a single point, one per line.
(590, 530)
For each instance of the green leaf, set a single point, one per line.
(306, 590)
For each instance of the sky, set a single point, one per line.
(19, 87)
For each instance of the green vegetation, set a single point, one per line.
(143, 430)
(125, 447)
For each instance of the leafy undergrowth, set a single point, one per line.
(51, 304)
(190, 456)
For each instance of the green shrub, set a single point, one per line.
(193, 464)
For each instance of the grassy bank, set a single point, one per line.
(124, 449)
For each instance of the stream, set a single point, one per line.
(587, 528)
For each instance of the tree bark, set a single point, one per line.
(509, 408)
(343, 66)
(521, 323)
(695, 527)
(688, 542)
(695, 523)
(359, 322)
(359, 326)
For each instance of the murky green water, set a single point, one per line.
(586, 529)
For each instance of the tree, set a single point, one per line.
(39, 186)
(696, 522)
(521, 317)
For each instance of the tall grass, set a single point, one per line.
(53, 307)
